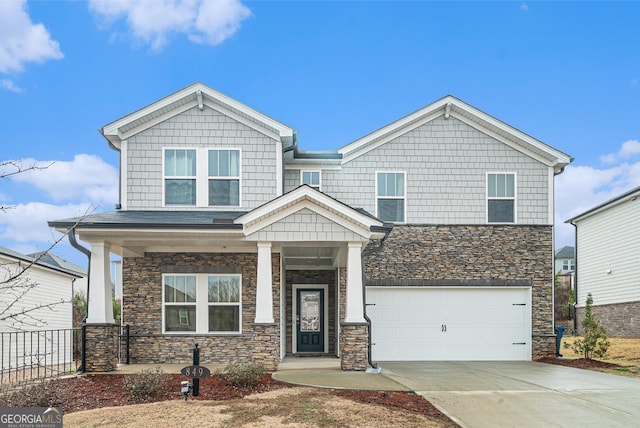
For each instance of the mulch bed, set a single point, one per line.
(580, 363)
(97, 391)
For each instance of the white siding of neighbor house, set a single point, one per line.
(610, 240)
(45, 346)
(51, 287)
(305, 225)
(446, 162)
(196, 129)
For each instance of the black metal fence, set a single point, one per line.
(30, 355)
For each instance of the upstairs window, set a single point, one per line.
(390, 196)
(501, 198)
(179, 177)
(312, 178)
(224, 178)
(568, 265)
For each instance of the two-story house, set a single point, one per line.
(565, 260)
(429, 239)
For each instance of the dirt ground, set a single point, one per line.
(269, 404)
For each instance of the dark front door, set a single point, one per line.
(310, 320)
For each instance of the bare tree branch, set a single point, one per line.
(10, 168)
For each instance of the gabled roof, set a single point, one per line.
(308, 197)
(631, 195)
(46, 260)
(195, 95)
(450, 106)
(566, 252)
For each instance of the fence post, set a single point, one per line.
(126, 332)
(83, 348)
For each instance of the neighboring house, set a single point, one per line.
(565, 260)
(36, 296)
(608, 255)
(234, 238)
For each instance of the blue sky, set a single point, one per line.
(567, 73)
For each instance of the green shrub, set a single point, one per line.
(594, 343)
(243, 374)
(144, 384)
(41, 394)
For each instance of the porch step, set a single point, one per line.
(307, 362)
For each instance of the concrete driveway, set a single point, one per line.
(521, 394)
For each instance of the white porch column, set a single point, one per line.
(354, 311)
(100, 305)
(264, 288)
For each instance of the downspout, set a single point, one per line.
(575, 275)
(294, 147)
(365, 253)
(71, 233)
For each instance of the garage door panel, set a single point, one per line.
(421, 323)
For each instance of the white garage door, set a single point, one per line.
(436, 324)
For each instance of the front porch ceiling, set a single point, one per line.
(310, 257)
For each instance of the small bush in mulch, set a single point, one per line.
(242, 375)
(144, 384)
(39, 394)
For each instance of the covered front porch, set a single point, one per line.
(297, 283)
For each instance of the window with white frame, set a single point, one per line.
(179, 177)
(501, 197)
(179, 303)
(568, 265)
(390, 196)
(224, 177)
(312, 178)
(202, 303)
(202, 177)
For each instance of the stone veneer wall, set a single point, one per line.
(142, 310)
(619, 319)
(101, 353)
(311, 277)
(353, 336)
(474, 255)
(353, 346)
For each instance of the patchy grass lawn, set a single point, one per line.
(622, 351)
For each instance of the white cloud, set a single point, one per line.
(524, 7)
(9, 85)
(153, 21)
(22, 41)
(86, 178)
(27, 223)
(628, 150)
(581, 188)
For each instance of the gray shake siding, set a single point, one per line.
(446, 162)
(193, 129)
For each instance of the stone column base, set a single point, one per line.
(543, 346)
(266, 349)
(101, 347)
(353, 346)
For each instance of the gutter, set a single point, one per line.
(365, 253)
(74, 243)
